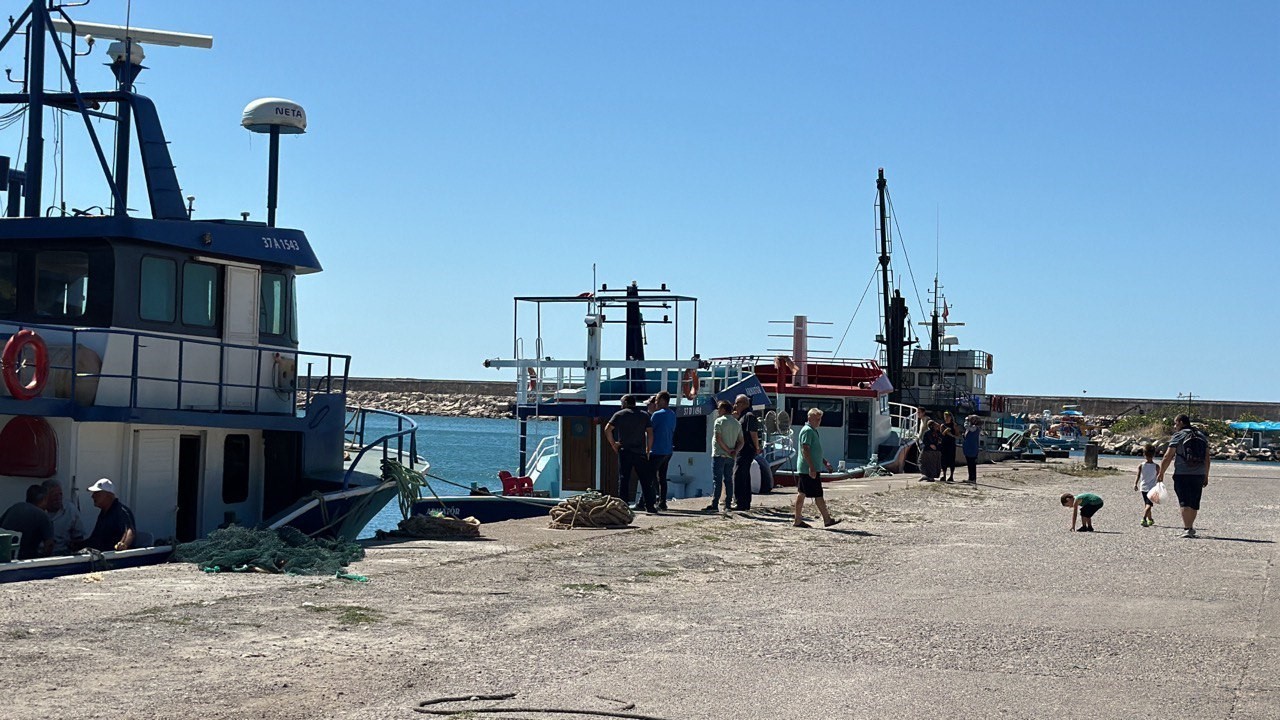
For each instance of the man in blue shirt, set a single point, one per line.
(664, 433)
(115, 528)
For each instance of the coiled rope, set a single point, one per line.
(591, 510)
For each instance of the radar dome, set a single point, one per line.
(262, 115)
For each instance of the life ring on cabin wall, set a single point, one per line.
(690, 384)
(11, 364)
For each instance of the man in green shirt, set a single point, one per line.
(1084, 505)
(809, 483)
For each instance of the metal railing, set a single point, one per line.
(337, 367)
(549, 445)
(406, 432)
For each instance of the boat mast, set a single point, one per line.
(35, 110)
(895, 307)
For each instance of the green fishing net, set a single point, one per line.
(239, 549)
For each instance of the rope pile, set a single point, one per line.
(591, 510)
(434, 527)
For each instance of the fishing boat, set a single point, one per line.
(157, 349)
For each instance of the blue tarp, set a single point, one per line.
(1264, 426)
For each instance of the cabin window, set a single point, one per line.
(832, 410)
(62, 284)
(884, 404)
(235, 469)
(926, 380)
(158, 289)
(8, 282)
(271, 309)
(293, 310)
(200, 297)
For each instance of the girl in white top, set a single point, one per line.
(1145, 481)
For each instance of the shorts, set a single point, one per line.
(1146, 500)
(809, 487)
(1087, 511)
(1189, 488)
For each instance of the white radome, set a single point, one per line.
(263, 114)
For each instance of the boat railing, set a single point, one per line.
(549, 382)
(547, 447)
(400, 443)
(904, 421)
(137, 369)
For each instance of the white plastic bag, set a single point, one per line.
(1157, 493)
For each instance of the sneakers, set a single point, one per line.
(711, 509)
(662, 506)
(1189, 533)
(1147, 523)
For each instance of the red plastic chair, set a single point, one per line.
(517, 486)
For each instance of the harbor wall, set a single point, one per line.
(1214, 409)
(1217, 409)
(496, 388)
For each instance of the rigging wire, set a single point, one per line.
(914, 285)
(865, 290)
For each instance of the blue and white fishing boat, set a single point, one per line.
(158, 349)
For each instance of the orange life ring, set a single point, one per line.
(11, 363)
(690, 386)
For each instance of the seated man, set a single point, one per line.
(68, 529)
(115, 527)
(30, 519)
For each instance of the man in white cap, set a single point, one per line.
(115, 527)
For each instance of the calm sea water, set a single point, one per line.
(460, 450)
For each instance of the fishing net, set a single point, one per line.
(239, 549)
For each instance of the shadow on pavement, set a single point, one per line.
(1231, 539)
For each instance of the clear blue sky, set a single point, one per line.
(1106, 174)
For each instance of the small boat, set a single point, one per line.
(157, 349)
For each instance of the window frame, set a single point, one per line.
(175, 290)
(216, 319)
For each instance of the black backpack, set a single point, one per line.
(1194, 448)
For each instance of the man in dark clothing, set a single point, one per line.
(115, 528)
(633, 443)
(950, 433)
(30, 519)
(746, 454)
(1189, 454)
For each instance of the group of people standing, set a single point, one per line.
(644, 440)
(938, 444)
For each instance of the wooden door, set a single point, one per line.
(577, 454)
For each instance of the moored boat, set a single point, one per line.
(162, 351)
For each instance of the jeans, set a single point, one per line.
(721, 475)
(742, 479)
(660, 463)
(627, 461)
(972, 462)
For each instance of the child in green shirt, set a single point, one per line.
(1084, 505)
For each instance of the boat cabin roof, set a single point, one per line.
(250, 242)
(839, 378)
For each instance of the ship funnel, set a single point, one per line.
(274, 117)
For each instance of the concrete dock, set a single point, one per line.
(928, 601)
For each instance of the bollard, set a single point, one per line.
(1091, 456)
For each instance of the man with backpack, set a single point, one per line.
(1189, 453)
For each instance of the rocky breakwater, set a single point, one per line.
(443, 404)
(1221, 447)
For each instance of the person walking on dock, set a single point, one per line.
(1145, 482)
(634, 440)
(726, 438)
(664, 433)
(1189, 453)
(809, 482)
(747, 453)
